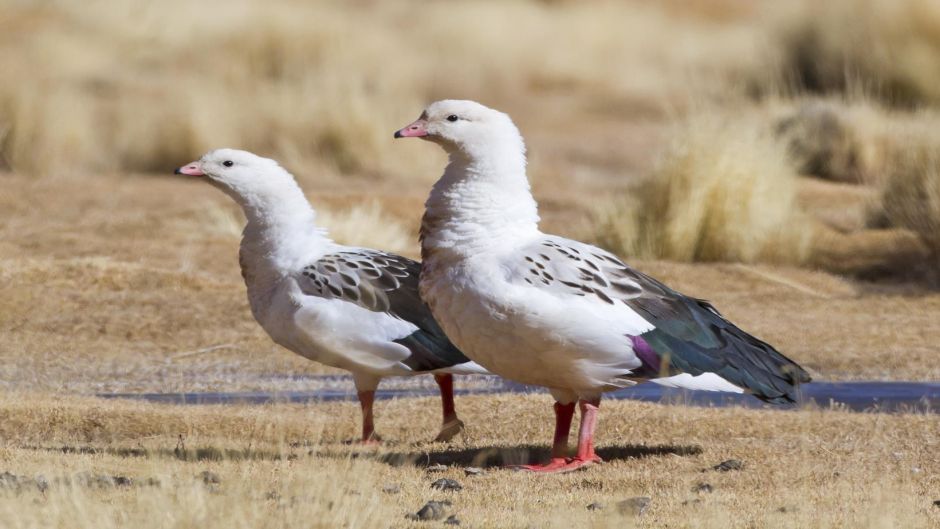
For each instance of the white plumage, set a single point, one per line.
(546, 310)
(353, 308)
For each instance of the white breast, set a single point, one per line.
(530, 335)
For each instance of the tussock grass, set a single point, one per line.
(888, 47)
(725, 190)
(892, 152)
(369, 226)
(317, 84)
(910, 199)
(843, 141)
(363, 223)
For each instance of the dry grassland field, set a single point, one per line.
(781, 159)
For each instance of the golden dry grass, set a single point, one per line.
(286, 466)
(840, 140)
(910, 198)
(320, 84)
(129, 282)
(724, 190)
(117, 286)
(888, 48)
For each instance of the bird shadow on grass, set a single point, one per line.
(509, 455)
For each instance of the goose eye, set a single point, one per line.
(228, 163)
(452, 117)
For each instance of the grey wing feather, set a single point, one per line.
(574, 268)
(690, 335)
(384, 282)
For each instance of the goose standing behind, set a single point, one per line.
(554, 312)
(353, 308)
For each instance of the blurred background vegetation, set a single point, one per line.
(802, 133)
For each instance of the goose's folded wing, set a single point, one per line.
(385, 283)
(689, 335)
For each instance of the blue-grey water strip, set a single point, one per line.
(869, 396)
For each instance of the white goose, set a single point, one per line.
(353, 308)
(554, 312)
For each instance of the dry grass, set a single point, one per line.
(115, 286)
(286, 466)
(890, 48)
(893, 155)
(116, 282)
(724, 191)
(843, 141)
(319, 84)
(368, 225)
(910, 199)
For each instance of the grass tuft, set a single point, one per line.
(369, 226)
(910, 199)
(889, 47)
(724, 191)
(838, 141)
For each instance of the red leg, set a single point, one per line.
(366, 399)
(586, 453)
(450, 425)
(563, 416)
(585, 456)
(446, 384)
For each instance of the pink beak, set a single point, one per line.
(192, 169)
(418, 129)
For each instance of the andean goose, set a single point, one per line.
(353, 308)
(554, 312)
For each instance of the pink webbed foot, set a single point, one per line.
(560, 465)
(553, 465)
(586, 456)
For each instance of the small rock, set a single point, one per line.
(436, 468)
(731, 464)
(209, 477)
(452, 520)
(633, 506)
(10, 481)
(42, 483)
(391, 488)
(447, 484)
(473, 471)
(596, 506)
(703, 487)
(936, 503)
(432, 510)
